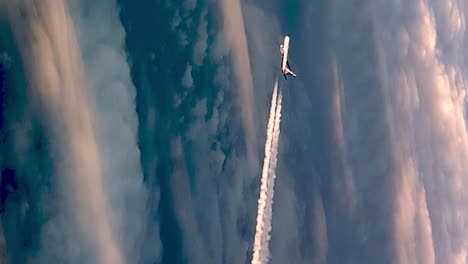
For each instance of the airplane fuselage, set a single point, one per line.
(284, 53)
(284, 48)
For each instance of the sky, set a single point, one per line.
(134, 133)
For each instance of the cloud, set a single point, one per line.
(217, 175)
(221, 210)
(52, 59)
(187, 80)
(405, 215)
(319, 230)
(215, 208)
(450, 26)
(398, 130)
(355, 159)
(423, 225)
(189, 5)
(287, 220)
(419, 126)
(107, 71)
(429, 112)
(236, 39)
(219, 49)
(176, 19)
(199, 50)
(263, 35)
(460, 257)
(82, 81)
(198, 201)
(193, 245)
(343, 186)
(183, 24)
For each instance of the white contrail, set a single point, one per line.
(265, 252)
(264, 180)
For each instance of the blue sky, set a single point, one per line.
(373, 148)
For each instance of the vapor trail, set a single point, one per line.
(49, 49)
(263, 227)
(271, 181)
(264, 180)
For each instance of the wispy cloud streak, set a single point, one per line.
(52, 58)
(237, 41)
(108, 75)
(429, 120)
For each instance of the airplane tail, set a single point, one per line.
(289, 72)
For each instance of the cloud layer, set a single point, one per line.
(82, 82)
(237, 41)
(52, 58)
(374, 145)
(101, 38)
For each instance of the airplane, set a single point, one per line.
(285, 68)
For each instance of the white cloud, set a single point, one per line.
(376, 118)
(459, 257)
(341, 172)
(102, 42)
(187, 80)
(263, 35)
(319, 230)
(52, 60)
(198, 204)
(193, 245)
(429, 111)
(450, 26)
(89, 101)
(237, 41)
(423, 225)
